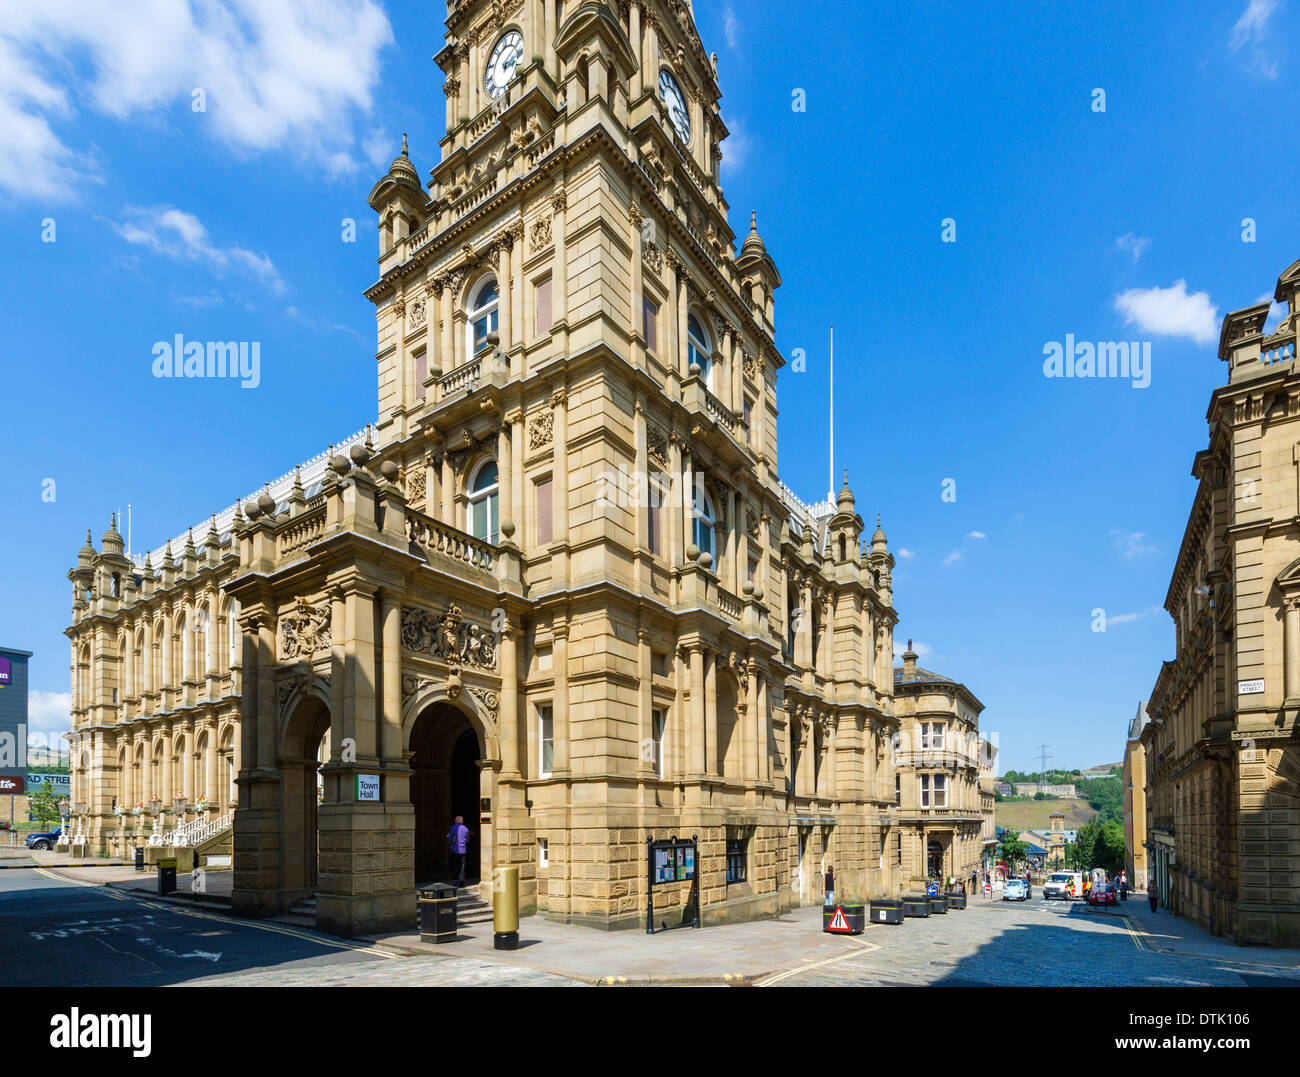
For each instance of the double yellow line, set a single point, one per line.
(864, 947)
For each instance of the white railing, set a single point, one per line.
(199, 830)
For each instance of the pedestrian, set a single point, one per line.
(457, 836)
(974, 882)
(830, 885)
(1153, 895)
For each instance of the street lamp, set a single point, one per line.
(178, 806)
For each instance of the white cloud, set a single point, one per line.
(905, 553)
(1249, 32)
(283, 77)
(976, 535)
(954, 557)
(49, 712)
(1171, 312)
(1131, 544)
(1136, 245)
(735, 147)
(1249, 29)
(730, 27)
(1129, 618)
(177, 234)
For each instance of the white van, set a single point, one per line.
(1061, 884)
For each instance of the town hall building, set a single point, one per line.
(557, 587)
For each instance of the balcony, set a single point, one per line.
(430, 537)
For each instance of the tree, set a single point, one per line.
(44, 805)
(1108, 852)
(1013, 849)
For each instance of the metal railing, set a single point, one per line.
(197, 831)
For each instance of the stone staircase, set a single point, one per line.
(470, 909)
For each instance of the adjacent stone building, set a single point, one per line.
(1222, 751)
(558, 587)
(943, 775)
(1135, 801)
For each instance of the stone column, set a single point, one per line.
(390, 740)
(448, 485)
(447, 349)
(559, 276)
(645, 701)
(683, 312)
(672, 510)
(764, 733)
(560, 485)
(130, 687)
(711, 761)
(635, 222)
(696, 727)
(147, 684)
(687, 500)
(518, 510)
(560, 710)
(505, 476)
(634, 35)
(732, 537)
(168, 647)
(751, 766)
(505, 283)
(510, 702)
(210, 789)
(552, 68)
(1291, 630)
(359, 698)
(168, 766)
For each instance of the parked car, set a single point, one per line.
(43, 841)
(1015, 890)
(1102, 894)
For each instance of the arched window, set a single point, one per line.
(484, 501)
(482, 315)
(698, 348)
(235, 642)
(705, 519)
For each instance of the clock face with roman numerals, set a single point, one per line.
(502, 63)
(671, 95)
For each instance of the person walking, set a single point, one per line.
(457, 836)
(1153, 894)
(974, 882)
(830, 885)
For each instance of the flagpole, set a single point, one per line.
(830, 488)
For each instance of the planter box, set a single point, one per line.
(956, 901)
(853, 915)
(938, 905)
(886, 911)
(916, 906)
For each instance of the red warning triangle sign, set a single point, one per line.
(838, 922)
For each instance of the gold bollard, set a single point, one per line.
(505, 908)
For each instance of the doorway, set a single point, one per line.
(934, 859)
(445, 782)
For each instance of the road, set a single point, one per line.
(56, 932)
(1029, 943)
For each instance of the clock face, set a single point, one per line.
(671, 95)
(501, 66)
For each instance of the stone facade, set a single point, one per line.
(1135, 801)
(559, 588)
(1222, 750)
(944, 778)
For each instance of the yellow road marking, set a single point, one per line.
(866, 948)
(279, 929)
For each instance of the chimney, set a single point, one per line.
(909, 662)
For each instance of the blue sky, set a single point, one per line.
(1071, 494)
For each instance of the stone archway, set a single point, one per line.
(302, 745)
(446, 754)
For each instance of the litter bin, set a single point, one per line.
(886, 911)
(956, 900)
(846, 919)
(1123, 894)
(166, 875)
(437, 913)
(139, 858)
(916, 905)
(938, 905)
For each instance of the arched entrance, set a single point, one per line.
(934, 858)
(445, 754)
(305, 748)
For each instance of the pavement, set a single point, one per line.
(145, 939)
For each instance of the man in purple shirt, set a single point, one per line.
(457, 836)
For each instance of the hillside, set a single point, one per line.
(1035, 814)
